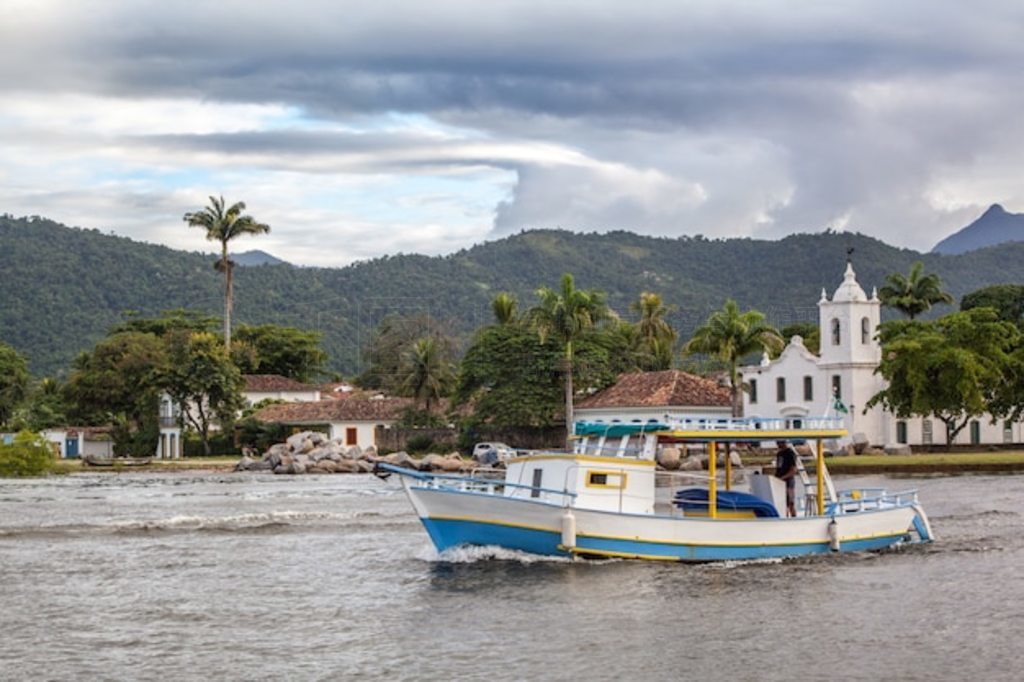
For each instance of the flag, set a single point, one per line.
(838, 406)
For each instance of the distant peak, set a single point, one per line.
(995, 209)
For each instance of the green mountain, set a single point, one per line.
(995, 226)
(63, 288)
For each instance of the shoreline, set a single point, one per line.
(1007, 462)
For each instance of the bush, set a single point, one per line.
(29, 455)
(418, 444)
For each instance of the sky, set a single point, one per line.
(359, 129)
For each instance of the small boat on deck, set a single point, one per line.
(607, 499)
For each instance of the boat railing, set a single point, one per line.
(863, 499)
(754, 423)
(488, 486)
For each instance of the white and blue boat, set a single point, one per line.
(607, 498)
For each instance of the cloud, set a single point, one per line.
(391, 127)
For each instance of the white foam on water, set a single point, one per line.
(468, 554)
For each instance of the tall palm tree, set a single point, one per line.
(427, 373)
(656, 335)
(566, 315)
(730, 335)
(224, 224)
(914, 294)
(504, 307)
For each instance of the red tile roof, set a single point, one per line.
(670, 388)
(326, 411)
(272, 383)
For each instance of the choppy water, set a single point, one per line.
(234, 576)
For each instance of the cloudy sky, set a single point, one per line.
(357, 129)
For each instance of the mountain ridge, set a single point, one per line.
(65, 287)
(995, 226)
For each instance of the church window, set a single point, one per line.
(808, 389)
(926, 432)
(835, 331)
(865, 330)
(901, 432)
(837, 386)
(780, 389)
(753, 391)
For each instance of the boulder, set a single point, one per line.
(369, 452)
(364, 466)
(860, 443)
(354, 452)
(245, 464)
(349, 466)
(898, 449)
(326, 466)
(669, 458)
(401, 459)
(692, 462)
(450, 464)
(431, 462)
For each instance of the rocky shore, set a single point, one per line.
(311, 452)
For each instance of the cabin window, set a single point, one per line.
(835, 331)
(975, 432)
(753, 391)
(837, 386)
(350, 436)
(808, 389)
(901, 432)
(1007, 432)
(926, 432)
(865, 330)
(780, 389)
(538, 474)
(606, 479)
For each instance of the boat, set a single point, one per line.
(93, 460)
(607, 498)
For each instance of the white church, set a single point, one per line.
(800, 384)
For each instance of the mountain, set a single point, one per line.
(63, 288)
(995, 226)
(256, 257)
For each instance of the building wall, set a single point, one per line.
(365, 432)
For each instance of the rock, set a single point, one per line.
(278, 450)
(450, 464)
(860, 443)
(898, 449)
(327, 466)
(318, 453)
(298, 468)
(354, 452)
(431, 462)
(804, 450)
(669, 458)
(369, 452)
(245, 464)
(692, 462)
(304, 460)
(734, 459)
(282, 469)
(401, 459)
(349, 466)
(365, 467)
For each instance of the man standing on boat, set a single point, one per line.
(785, 468)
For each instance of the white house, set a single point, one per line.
(799, 384)
(352, 420)
(276, 387)
(643, 396)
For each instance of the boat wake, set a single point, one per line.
(473, 554)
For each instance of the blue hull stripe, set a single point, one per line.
(447, 533)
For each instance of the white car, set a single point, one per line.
(492, 453)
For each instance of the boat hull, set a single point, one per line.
(453, 518)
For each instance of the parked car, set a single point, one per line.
(492, 453)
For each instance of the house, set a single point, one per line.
(354, 421)
(72, 442)
(800, 384)
(646, 396)
(259, 387)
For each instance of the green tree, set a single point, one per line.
(656, 337)
(426, 370)
(808, 331)
(915, 293)
(566, 315)
(168, 321)
(504, 307)
(1006, 299)
(201, 378)
(731, 335)
(119, 382)
(43, 407)
(391, 340)
(223, 225)
(28, 455)
(955, 368)
(14, 381)
(275, 349)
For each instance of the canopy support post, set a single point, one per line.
(712, 483)
(820, 474)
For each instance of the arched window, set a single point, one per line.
(865, 330)
(808, 389)
(780, 390)
(835, 331)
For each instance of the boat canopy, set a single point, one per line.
(618, 429)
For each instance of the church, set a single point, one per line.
(841, 380)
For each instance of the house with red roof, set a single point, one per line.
(646, 396)
(354, 421)
(260, 387)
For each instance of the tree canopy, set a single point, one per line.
(914, 294)
(14, 381)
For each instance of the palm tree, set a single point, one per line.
(223, 225)
(566, 315)
(730, 335)
(504, 307)
(656, 335)
(427, 373)
(915, 294)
